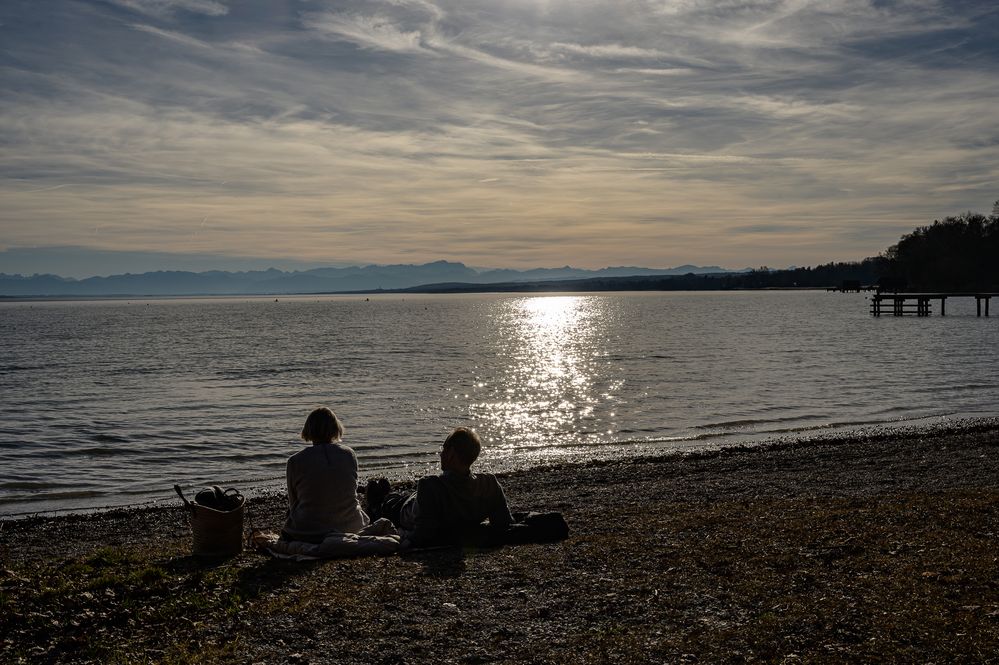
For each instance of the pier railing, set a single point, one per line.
(918, 304)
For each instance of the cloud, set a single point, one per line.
(167, 7)
(651, 71)
(178, 37)
(425, 6)
(509, 64)
(371, 32)
(790, 107)
(519, 133)
(608, 51)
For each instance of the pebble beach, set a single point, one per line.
(875, 546)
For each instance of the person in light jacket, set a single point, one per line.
(322, 483)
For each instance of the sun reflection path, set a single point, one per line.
(554, 354)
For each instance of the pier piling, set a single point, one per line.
(919, 304)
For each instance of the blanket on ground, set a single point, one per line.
(379, 537)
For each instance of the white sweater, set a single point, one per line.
(322, 492)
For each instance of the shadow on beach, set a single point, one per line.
(441, 562)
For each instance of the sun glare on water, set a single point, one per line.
(551, 344)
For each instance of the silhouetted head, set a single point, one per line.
(322, 426)
(460, 449)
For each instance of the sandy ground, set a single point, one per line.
(878, 546)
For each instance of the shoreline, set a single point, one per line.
(874, 547)
(616, 453)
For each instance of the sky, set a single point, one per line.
(502, 133)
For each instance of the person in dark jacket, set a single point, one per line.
(444, 506)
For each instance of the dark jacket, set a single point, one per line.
(447, 505)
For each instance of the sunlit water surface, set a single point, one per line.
(111, 402)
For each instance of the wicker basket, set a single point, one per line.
(217, 533)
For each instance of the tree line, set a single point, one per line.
(958, 253)
(954, 254)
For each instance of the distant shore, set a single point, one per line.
(575, 287)
(879, 545)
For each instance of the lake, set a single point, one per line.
(112, 402)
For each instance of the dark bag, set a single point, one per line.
(526, 528)
(537, 528)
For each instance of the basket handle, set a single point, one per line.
(183, 498)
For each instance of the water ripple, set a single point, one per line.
(215, 390)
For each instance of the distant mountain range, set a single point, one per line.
(318, 280)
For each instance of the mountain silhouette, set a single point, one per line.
(317, 280)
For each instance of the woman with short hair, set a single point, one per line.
(322, 483)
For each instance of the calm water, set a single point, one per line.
(112, 402)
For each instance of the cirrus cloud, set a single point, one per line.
(661, 132)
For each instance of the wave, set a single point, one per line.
(21, 368)
(109, 438)
(92, 451)
(250, 373)
(756, 421)
(36, 497)
(955, 388)
(33, 484)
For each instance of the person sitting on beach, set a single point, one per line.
(444, 506)
(322, 483)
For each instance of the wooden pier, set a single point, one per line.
(918, 304)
